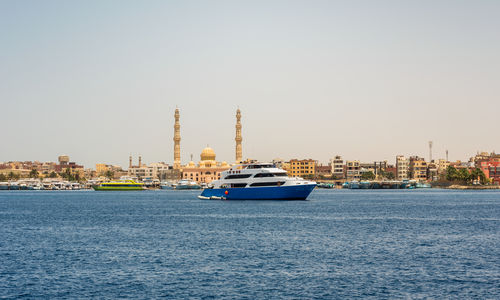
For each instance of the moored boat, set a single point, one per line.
(185, 184)
(4, 185)
(119, 185)
(354, 185)
(14, 186)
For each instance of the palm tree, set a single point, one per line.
(33, 173)
(109, 174)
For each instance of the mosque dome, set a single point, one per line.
(191, 164)
(207, 154)
(224, 164)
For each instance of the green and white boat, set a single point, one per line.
(119, 185)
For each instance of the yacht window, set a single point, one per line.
(260, 166)
(275, 183)
(236, 176)
(280, 174)
(238, 185)
(264, 175)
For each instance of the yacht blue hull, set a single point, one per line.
(295, 192)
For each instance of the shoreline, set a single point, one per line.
(471, 187)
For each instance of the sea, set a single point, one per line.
(339, 244)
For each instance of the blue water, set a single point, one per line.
(340, 244)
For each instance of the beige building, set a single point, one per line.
(102, 169)
(418, 168)
(352, 170)
(442, 165)
(302, 167)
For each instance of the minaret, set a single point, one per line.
(140, 161)
(238, 138)
(177, 141)
(130, 161)
(430, 151)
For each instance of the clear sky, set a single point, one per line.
(99, 80)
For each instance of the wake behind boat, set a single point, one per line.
(258, 182)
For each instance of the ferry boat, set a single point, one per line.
(119, 185)
(258, 181)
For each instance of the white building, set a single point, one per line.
(402, 167)
(337, 165)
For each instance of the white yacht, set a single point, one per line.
(258, 181)
(185, 184)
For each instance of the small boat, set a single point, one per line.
(185, 184)
(324, 185)
(354, 185)
(167, 185)
(364, 185)
(4, 186)
(14, 186)
(422, 185)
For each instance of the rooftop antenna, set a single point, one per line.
(430, 151)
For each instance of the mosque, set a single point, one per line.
(208, 168)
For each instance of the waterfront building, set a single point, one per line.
(65, 165)
(432, 171)
(379, 167)
(207, 170)
(47, 167)
(89, 173)
(442, 166)
(153, 170)
(16, 172)
(367, 167)
(402, 167)
(392, 170)
(302, 167)
(493, 172)
(353, 170)
(170, 175)
(418, 168)
(489, 164)
(101, 169)
(337, 167)
(323, 170)
(461, 164)
(24, 168)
